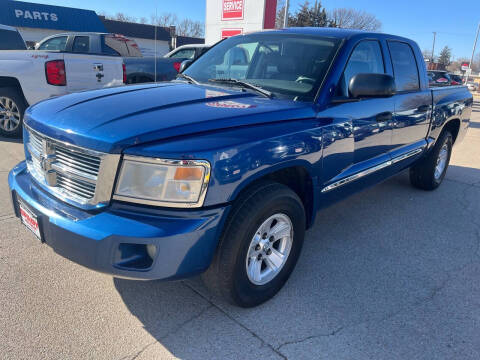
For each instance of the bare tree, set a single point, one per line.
(280, 14)
(164, 20)
(188, 27)
(427, 54)
(143, 20)
(125, 18)
(353, 19)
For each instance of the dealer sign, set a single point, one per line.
(233, 9)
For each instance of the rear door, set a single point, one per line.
(86, 71)
(413, 102)
(79, 65)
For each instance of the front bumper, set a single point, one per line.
(114, 240)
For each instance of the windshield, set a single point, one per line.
(287, 65)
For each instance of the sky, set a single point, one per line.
(416, 19)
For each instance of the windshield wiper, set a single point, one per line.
(244, 84)
(188, 78)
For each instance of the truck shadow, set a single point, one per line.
(370, 258)
(11, 140)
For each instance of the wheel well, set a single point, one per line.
(12, 82)
(299, 180)
(454, 127)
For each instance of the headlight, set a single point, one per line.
(170, 183)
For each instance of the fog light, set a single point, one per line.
(151, 251)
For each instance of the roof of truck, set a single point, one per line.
(335, 32)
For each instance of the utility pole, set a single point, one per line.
(433, 47)
(473, 53)
(285, 16)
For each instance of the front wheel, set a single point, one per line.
(12, 108)
(259, 247)
(428, 174)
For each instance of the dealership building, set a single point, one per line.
(37, 21)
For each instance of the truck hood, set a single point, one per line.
(110, 120)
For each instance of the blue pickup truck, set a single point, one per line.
(222, 171)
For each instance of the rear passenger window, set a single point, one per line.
(405, 67)
(366, 58)
(81, 44)
(11, 40)
(55, 44)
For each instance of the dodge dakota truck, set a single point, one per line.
(222, 171)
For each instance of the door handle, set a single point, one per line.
(423, 108)
(97, 67)
(383, 117)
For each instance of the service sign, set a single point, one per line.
(225, 18)
(233, 9)
(465, 66)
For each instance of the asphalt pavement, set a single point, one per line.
(391, 273)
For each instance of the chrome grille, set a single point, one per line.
(69, 172)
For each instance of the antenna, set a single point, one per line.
(155, 57)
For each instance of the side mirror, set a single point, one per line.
(371, 85)
(185, 64)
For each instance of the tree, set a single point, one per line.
(164, 20)
(280, 14)
(427, 54)
(125, 18)
(353, 19)
(315, 15)
(191, 28)
(307, 15)
(445, 56)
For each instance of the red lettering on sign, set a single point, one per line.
(232, 9)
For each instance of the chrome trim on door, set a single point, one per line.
(371, 170)
(406, 155)
(356, 176)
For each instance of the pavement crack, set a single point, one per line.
(299, 341)
(135, 356)
(251, 332)
(186, 322)
(434, 292)
(7, 217)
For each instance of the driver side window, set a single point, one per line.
(366, 58)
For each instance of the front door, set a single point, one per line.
(371, 125)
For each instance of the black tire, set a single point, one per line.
(422, 174)
(11, 102)
(227, 275)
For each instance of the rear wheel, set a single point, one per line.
(259, 246)
(428, 174)
(12, 109)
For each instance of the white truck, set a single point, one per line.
(61, 64)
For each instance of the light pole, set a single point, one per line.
(285, 16)
(433, 47)
(473, 53)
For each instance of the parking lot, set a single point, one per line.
(391, 273)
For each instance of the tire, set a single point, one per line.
(425, 175)
(227, 276)
(12, 109)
